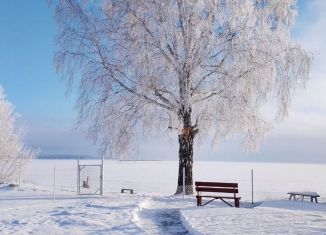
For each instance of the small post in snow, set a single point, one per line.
(53, 184)
(20, 172)
(102, 175)
(184, 181)
(78, 175)
(252, 187)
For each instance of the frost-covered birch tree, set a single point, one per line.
(13, 153)
(199, 68)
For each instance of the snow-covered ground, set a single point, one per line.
(152, 209)
(299, 218)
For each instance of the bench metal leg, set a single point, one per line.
(226, 202)
(237, 203)
(302, 197)
(199, 201)
(209, 201)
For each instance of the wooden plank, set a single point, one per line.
(217, 184)
(218, 197)
(217, 190)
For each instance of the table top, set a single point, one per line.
(310, 194)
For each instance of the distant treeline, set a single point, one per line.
(66, 157)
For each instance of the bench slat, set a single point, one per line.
(217, 184)
(217, 197)
(217, 190)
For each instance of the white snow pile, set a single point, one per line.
(151, 210)
(259, 220)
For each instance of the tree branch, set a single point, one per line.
(216, 93)
(123, 85)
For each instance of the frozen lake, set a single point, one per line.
(271, 180)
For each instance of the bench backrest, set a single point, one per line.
(217, 187)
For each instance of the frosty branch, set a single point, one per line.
(13, 152)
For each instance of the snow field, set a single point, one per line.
(152, 211)
(71, 215)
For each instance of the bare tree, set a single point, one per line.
(200, 68)
(13, 153)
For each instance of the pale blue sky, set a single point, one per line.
(27, 44)
(27, 73)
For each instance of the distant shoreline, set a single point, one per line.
(65, 157)
(87, 157)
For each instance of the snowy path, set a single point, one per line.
(162, 215)
(33, 212)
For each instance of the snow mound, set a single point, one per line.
(297, 218)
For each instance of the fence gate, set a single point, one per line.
(90, 179)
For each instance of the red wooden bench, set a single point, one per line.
(217, 187)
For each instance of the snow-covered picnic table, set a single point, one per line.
(312, 195)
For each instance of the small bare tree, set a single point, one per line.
(13, 153)
(200, 68)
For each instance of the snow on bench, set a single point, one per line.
(312, 195)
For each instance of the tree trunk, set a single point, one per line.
(186, 140)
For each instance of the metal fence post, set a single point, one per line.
(252, 187)
(20, 172)
(54, 184)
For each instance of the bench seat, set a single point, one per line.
(312, 195)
